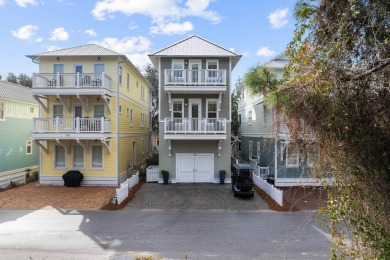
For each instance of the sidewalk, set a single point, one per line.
(35, 196)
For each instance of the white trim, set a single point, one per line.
(178, 61)
(212, 60)
(194, 101)
(29, 143)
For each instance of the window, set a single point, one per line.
(97, 156)
(177, 67)
(143, 146)
(312, 155)
(250, 152)
(128, 82)
(212, 67)
(258, 151)
(239, 119)
(78, 156)
(98, 110)
(212, 108)
(131, 117)
(142, 119)
(127, 111)
(120, 74)
(58, 111)
(2, 114)
(177, 109)
(267, 115)
(142, 93)
(29, 147)
(59, 156)
(98, 68)
(292, 157)
(31, 109)
(250, 117)
(58, 68)
(120, 109)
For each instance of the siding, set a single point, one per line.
(14, 132)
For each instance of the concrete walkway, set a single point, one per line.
(154, 196)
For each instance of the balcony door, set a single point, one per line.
(78, 69)
(195, 67)
(78, 113)
(194, 114)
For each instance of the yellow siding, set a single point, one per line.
(109, 161)
(127, 99)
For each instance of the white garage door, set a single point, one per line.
(195, 167)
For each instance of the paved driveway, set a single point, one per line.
(154, 196)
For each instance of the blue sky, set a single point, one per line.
(256, 29)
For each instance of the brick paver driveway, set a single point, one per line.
(192, 197)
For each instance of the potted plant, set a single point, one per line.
(222, 174)
(165, 175)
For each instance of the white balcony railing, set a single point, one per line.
(195, 77)
(195, 125)
(71, 125)
(71, 80)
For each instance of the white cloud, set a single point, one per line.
(2, 2)
(163, 13)
(278, 18)
(172, 28)
(265, 52)
(140, 60)
(91, 32)
(126, 45)
(133, 26)
(39, 39)
(59, 34)
(25, 32)
(24, 3)
(53, 48)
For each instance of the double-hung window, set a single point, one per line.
(177, 108)
(292, 156)
(78, 156)
(212, 71)
(212, 108)
(98, 110)
(29, 147)
(2, 114)
(97, 156)
(59, 156)
(177, 74)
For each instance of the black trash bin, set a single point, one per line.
(271, 179)
(72, 178)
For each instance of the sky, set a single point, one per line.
(257, 29)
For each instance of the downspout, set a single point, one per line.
(117, 123)
(276, 152)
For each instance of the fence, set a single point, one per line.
(152, 173)
(261, 172)
(274, 193)
(123, 191)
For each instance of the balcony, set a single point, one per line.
(70, 128)
(211, 81)
(195, 128)
(71, 83)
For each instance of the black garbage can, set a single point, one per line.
(72, 178)
(271, 179)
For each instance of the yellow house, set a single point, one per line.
(94, 116)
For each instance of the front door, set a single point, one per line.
(194, 113)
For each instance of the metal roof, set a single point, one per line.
(278, 62)
(194, 46)
(16, 92)
(84, 50)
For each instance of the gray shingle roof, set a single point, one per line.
(16, 92)
(194, 46)
(84, 50)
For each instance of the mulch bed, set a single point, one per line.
(297, 198)
(129, 198)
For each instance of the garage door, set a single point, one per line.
(195, 167)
